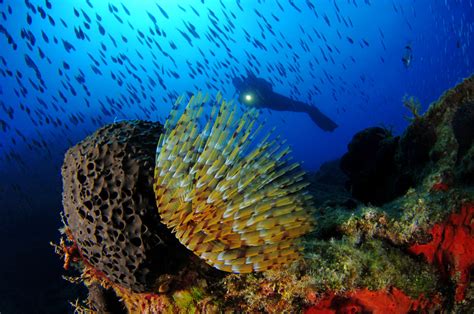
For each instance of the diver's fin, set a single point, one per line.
(321, 119)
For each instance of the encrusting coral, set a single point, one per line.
(240, 212)
(452, 248)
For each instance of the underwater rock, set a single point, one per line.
(414, 151)
(104, 300)
(110, 208)
(433, 159)
(331, 198)
(330, 174)
(436, 147)
(463, 129)
(370, 165)
(439, 144)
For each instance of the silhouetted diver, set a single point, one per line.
(407, 56)
(256, 92)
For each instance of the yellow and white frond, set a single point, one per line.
(240, 212)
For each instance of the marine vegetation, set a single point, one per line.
(413, 105)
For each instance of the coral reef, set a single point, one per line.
(274, 291)
(344, 265)
(240, 209)
(338, 267)
(436, 146)
(432, 216)
(408, 249)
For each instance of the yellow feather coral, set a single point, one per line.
(240, 213)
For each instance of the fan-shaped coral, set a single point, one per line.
(239, 207)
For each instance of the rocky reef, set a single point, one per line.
(394, 227)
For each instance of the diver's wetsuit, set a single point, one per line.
(257, 92)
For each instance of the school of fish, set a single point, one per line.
(69, 67)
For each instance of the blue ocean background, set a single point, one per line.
(69, 67)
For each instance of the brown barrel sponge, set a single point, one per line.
(110, 205)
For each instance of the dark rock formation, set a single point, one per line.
(463, 129)
(328, 186)
(413, 153)
(104, 300)
(370, 165)
(436, 148)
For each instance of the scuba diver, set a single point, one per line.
(256, 92)
(407, 57)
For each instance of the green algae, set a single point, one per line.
(404, 221)
(344, 265)
(335, 266)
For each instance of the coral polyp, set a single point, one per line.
(238, 206)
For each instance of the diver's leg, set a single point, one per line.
(321, 120)
(279, 102)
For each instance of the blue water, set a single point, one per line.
(68, 67)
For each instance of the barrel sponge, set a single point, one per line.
(110, 206)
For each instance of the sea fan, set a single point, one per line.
(237, 205)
